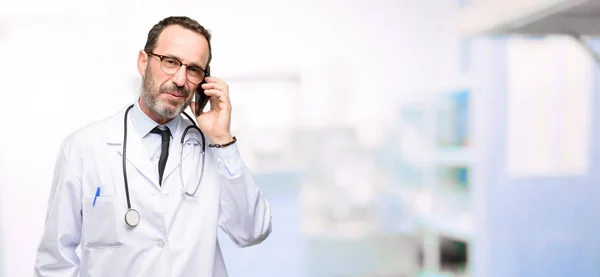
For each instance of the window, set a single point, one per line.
(549, 83)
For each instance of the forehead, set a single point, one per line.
(184, 44)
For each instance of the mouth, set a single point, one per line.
(175, 95)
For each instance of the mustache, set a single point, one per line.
(181, 90)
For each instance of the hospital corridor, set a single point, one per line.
(441, 138)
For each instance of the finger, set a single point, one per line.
(210, 79)
(219, 94)
(212, 86)
(218, 104)
(215, 86)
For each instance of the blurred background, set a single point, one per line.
(393, 138)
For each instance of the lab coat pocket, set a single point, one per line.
(100, 223)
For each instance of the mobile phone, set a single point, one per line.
(201, 98)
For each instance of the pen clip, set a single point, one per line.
(97, 194)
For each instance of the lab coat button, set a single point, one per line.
(161, 244)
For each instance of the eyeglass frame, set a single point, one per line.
(162, 57)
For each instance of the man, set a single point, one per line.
(119, 195)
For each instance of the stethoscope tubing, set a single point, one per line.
(124, 161)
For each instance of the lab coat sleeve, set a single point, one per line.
(245, 214)
(56, 254)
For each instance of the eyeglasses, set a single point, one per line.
(172, 65)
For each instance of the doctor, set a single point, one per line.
(131, 163)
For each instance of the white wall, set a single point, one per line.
(67, 63)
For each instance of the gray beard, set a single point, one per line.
(150, 98)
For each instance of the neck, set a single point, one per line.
(152, 114)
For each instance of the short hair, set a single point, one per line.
(182, 21)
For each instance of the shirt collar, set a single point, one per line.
(144, 124)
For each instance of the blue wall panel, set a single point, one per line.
(538, 226)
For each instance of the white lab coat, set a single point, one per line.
(177, 235)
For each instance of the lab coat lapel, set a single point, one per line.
(136, 155)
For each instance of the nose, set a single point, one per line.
(179, 78)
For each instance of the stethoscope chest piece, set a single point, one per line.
(132, 218)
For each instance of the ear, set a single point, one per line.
(142, 62)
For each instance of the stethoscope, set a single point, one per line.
(132, 216)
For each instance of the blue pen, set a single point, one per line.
(97, 194)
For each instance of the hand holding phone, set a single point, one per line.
(216, 122)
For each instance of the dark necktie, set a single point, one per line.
(164, 150)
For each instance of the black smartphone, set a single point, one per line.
(201, 98)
